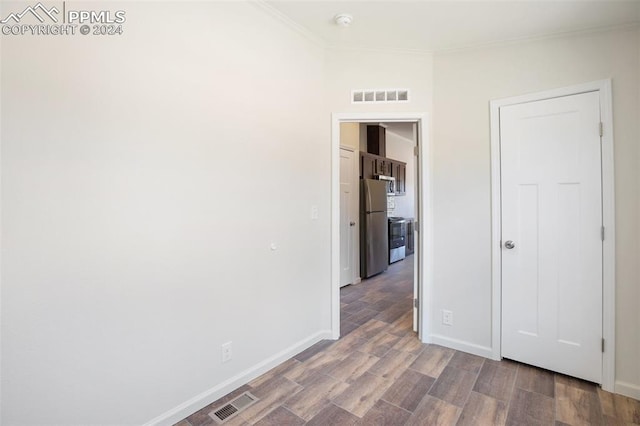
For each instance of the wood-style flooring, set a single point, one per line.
(378, 373)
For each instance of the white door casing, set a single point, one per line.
(423, 242)
(551, 234)
(348, 213)
(604, 90)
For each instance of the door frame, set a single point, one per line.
(603, 87)
(424, 251)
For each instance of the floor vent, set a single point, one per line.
(363, 96)
(226, 412)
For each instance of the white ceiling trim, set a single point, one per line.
(499, 43)
(304, 31)
(527, 39)
(380, 49)
(300, 29)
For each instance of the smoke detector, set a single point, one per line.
(343, 20)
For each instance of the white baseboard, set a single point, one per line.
(207, 397)
(461, 345)
(628, 389)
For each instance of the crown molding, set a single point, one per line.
(305, 32)
(396, 50)
(539, 37)
(300, 29)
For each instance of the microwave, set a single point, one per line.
(391, 183)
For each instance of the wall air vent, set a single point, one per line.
(377, 96)
(230, 410)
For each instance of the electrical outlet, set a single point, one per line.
(447, 317)
(227, 351)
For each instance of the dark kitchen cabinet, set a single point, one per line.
(377, 140)
(383, 166)
(368, 166)
(374, 165)
(400, 173)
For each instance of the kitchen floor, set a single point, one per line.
(378, 373)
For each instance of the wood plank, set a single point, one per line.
(385, 414)
(453, 385)
(576, 406)
(408, 390)
(281, 369)
(496, 379)
(392, 365)
(433, 411)
(353, 366)
(576, 383)
(402, 326)
(483, 410)
(380, 344)
(530, 408)
(280, 416)
(318, 364)
(432, 360)
(410, 344)
(313, 350)
(535, 380)
(394, 312)
(333, 415)
(370, 329)
(363, 316)
(316, 395)
(271, 393)
(354, 307)
(619, 409)
(465, 361)
(362, 394)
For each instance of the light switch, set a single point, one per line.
(314, 213)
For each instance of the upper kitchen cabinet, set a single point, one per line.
(374, 165)
(400, 173)
(367, 166)
(377, 140)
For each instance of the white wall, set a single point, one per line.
(401, 148)
(143, 180)
(356, 69)
(465, 82)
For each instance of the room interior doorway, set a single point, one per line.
(422, 255)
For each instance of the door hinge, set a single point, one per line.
(416, 226)
(601, 129)
(416, 151)
(416, 304)
(602, 233)
(602, 345)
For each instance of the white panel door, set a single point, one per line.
(552, 214)
(347, 216)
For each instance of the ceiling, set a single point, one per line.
(452, 24)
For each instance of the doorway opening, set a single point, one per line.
(401, 176)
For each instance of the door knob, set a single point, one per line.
(509, 244)
(352, 223)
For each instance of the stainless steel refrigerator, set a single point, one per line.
(374, 243)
